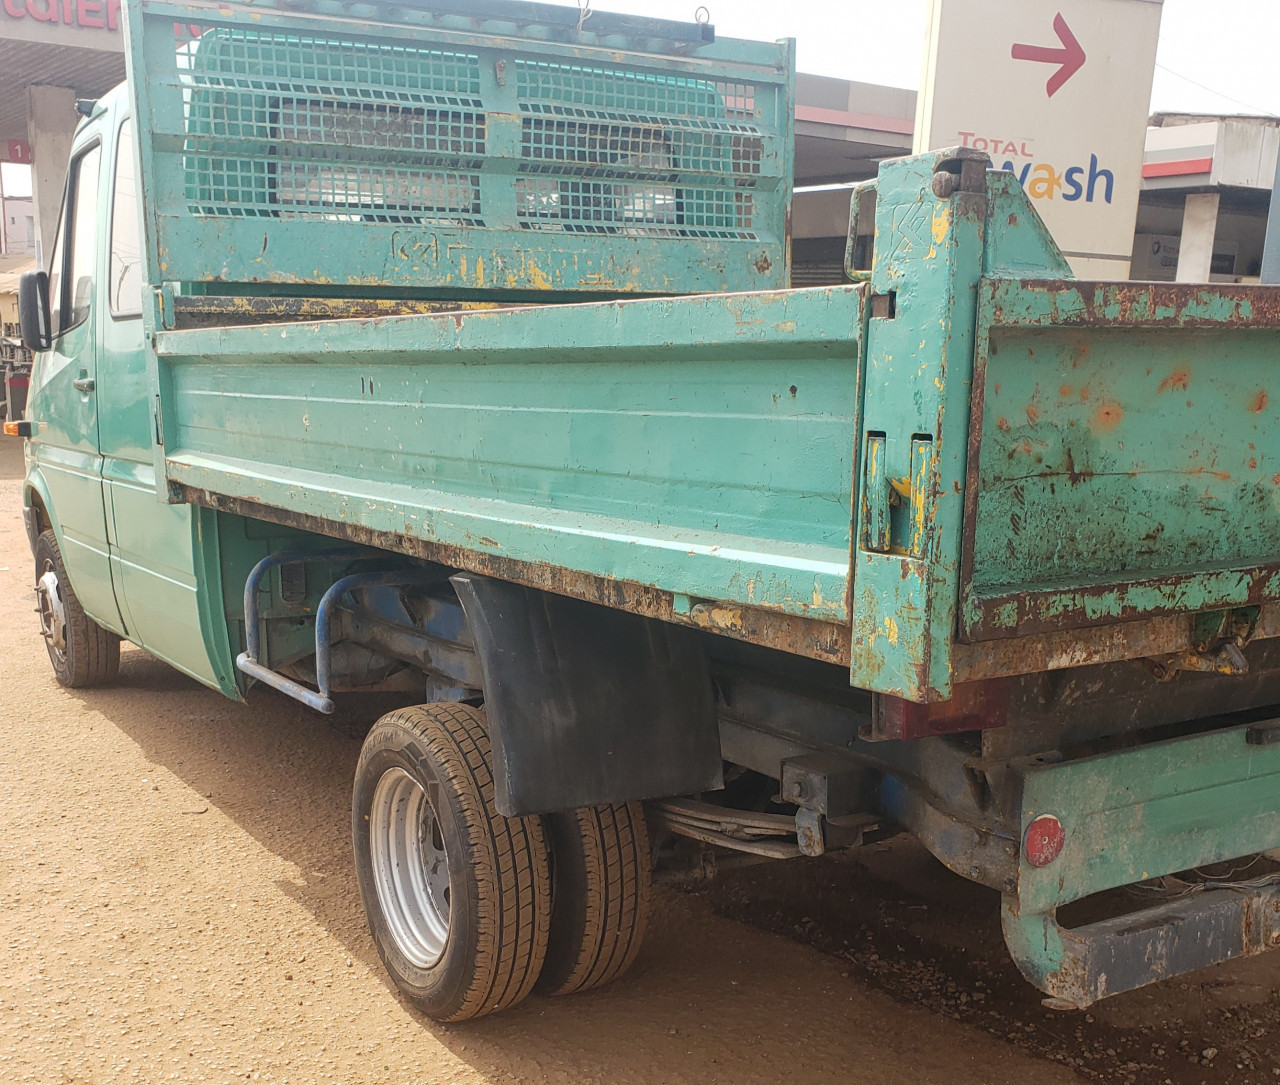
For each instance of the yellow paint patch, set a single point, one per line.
(724, 619)
(891, 630)
(537, 277)
(941, 225)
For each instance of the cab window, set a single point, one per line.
(71, 270)
(125, 288)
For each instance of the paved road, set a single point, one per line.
(177, 903)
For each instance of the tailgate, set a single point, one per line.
(1054, 473)
(1125, 454)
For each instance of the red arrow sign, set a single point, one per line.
(1070, 56)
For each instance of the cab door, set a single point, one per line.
(64, 390)
(153, 544)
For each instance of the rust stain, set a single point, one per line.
(1033, 415)
(1013, 220)
(1259, 403)
(809, 637)
(1066, 391)
(1178, 379)
(1275, 479)
(1002, 424)
(1073, 476)
(1106, 418)
(1253, 463)
(1084, 394)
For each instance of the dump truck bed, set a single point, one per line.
(967, 465)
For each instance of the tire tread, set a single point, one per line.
(93, 653)
(508, 858)
(615, 853)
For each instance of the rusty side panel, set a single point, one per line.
(1124, 461)
(824, 641)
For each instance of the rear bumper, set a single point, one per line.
(1079, 966)
(1136, 814)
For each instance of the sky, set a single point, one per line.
(15, 180)
(1215, 56)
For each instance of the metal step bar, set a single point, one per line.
(248, 661)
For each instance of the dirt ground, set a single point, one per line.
(177, 904)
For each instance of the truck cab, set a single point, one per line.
(90, 459)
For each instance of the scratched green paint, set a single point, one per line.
(1139, 457)
(699, 445)
(928, 255)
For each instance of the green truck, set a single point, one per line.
(449, 350)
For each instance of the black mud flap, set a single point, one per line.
(588, 705)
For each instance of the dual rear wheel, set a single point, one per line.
(471, 911)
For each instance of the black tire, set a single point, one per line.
(601, 881)
(499, 880)
(89, 655)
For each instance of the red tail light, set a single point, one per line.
(1044, 839)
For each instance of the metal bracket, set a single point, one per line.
(1217, 639)
(852, 272)
(827, 784)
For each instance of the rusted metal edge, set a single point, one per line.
(209, 310)
(1053, 610)
(1078, 304)
(1065, 648)
(824, 641)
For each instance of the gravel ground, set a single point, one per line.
(177, 904)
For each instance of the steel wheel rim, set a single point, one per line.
(410, 867)
(52, 609)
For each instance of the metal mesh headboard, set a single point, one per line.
(448, 155)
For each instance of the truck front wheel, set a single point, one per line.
(458, 897)
(81, 651)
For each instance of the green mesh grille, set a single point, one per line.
(288, 145)
(340, 130)
(637, 153)
(286, 126)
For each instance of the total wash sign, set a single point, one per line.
(1041, 180)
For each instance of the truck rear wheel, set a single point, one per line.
(82, 652)
(458, 897)
(601, 880)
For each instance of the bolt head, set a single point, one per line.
(944, 184)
